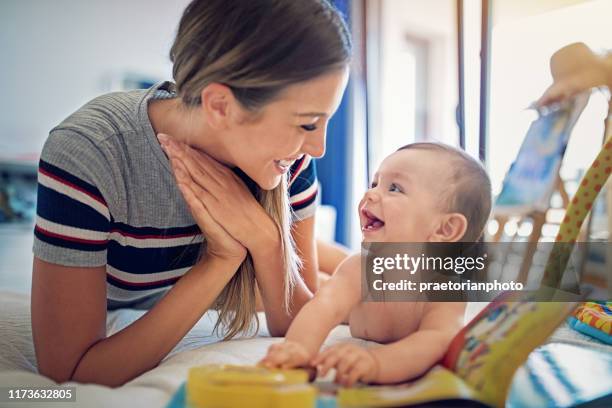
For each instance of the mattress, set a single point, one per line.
(153, 388)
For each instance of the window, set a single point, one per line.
(412, 74)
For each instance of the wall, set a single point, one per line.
(56, 55)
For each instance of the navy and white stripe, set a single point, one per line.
(303, 187)
(71, 213)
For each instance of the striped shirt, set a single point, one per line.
(107, 197)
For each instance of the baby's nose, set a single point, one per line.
(371, 195)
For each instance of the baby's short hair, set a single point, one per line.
(470, 192)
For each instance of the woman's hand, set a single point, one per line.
(225, 196)
(288, 354)
(352, 364)
(220, 243)
(575, 69)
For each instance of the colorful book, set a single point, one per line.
(492, 361)
(530, 181)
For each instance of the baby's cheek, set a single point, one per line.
(400, 231)
(410, 229)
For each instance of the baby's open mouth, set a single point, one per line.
(372, 222)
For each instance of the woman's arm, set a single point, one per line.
(64, 297)
(303, 235)
(330, 255)
(269, 272)
(69, 321)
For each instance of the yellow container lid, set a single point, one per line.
(247, 375)
(226, 386)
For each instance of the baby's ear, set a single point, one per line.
(452, 228)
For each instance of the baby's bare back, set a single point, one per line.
(385, 322)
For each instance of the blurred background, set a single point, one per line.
(461, 72)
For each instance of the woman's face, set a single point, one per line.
(294, 124)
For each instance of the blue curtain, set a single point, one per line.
(333, 168)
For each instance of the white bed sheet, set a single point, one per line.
(153, 388)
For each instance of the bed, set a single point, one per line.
(152, 389)
(155, 388)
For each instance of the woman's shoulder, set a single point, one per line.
(104, 116)
(82, 144)
(93, 144)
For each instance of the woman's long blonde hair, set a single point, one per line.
(257, 48)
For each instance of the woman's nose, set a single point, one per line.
(314, 144)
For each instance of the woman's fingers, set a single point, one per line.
(203, 206)
(228, 200)
(220, 243)
(216, 169)
(558, 92)
(206, 173)
(213, 204)
(196, 197)
(199, 173)
(201, 192)
(197, 159)
(199, 211)
(221, 188)
(180, 172)
(201, 195)
(209, 200)
(180, 151)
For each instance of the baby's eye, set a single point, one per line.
(395, 188)
(373, 184)
(309, 128)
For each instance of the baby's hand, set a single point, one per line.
(352, 363)
(287, 354)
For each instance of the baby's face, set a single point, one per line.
(403, 202)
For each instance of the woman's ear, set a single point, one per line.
(217, 104)
(452, 228)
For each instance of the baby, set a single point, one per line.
(424, 192)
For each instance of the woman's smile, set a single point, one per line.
(284, 165)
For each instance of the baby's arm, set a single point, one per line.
(417, 353)
(328, 308)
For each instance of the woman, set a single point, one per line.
(121, 225)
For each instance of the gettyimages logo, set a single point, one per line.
(412, 264)
(460, 271)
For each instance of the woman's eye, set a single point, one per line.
(395, 188)
(309, 128)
